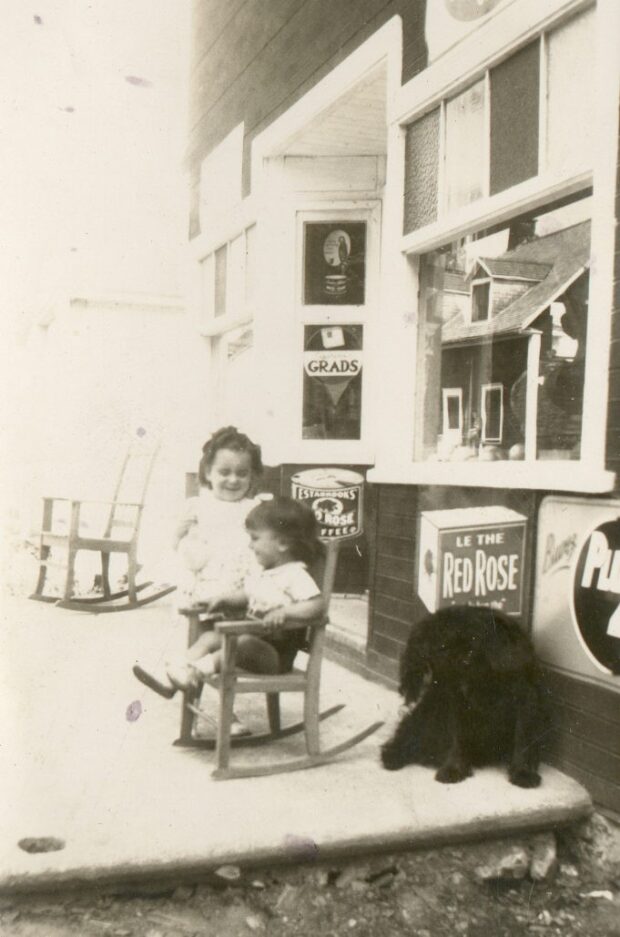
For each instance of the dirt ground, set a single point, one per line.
(479, 890)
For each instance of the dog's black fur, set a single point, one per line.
(473, 677)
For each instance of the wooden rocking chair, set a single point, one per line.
(232, 680)
(120, 535)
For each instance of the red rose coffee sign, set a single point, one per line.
(471, 556)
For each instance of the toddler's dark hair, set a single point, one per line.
(228, 437)
(294, 521)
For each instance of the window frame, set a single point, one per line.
(460, 67)
(211, 322)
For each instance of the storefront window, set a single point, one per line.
(332, 395)
(504, 317)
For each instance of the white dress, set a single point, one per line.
(215, 554)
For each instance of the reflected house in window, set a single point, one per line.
(514, 355)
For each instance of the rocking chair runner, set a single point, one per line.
(120, 535)
(232, 680)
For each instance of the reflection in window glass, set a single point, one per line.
(492, 412)
(503, 367)
(332, 399)
(465, 147)
(480, 296)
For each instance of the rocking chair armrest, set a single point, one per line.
(243, 626)
(252, 626)
(125, 504)
(121, 504)
(200, 609)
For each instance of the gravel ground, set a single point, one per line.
(481, 890)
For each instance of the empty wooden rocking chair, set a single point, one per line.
(232, 680)
(65, 531)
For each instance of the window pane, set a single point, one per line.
(332, 404)
(514, 118)
(250, 267)
(207, 288)
(220, 280)
(235, 276)
(570, 92)
(465, 148)
(421, 171)
(502, 362)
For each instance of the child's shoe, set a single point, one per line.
(159, 683)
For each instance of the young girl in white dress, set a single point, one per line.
(211, 540)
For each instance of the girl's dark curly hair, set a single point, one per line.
(292, 520)
(229, 437)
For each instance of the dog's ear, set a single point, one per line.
(506, 652)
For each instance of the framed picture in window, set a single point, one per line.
(334, 263)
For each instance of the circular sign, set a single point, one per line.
(470, 9)
(596, 595)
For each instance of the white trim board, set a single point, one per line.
(500, 37)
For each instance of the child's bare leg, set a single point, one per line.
(207, 643)
(181, 671)
(253, 654)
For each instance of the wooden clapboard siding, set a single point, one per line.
(584, 738)
(252, 60)
(393, 602)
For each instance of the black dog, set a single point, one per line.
(473, 678)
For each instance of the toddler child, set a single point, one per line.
(284, 540)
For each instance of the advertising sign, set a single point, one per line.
(576, 622)
(333, 360)
(472, 556)
(596, 594)
(335, 263)
(336, 496)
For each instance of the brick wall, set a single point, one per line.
(253, 59)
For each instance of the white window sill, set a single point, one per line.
(543, 476)
(319, 452)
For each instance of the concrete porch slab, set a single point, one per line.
(128, 805)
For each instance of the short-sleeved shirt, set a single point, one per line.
(281, 585)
